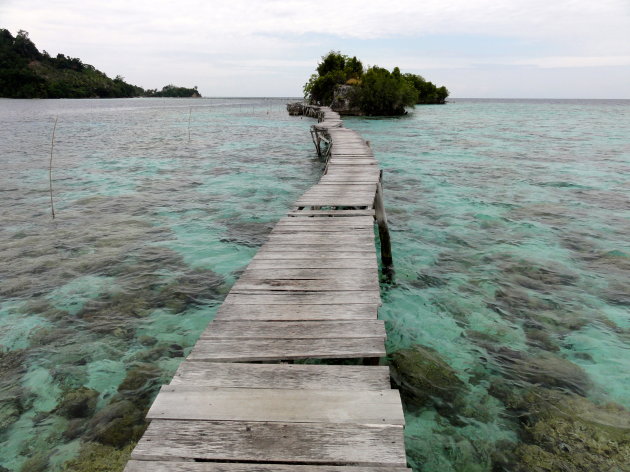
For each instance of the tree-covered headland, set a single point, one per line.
(173, 91)
(342, 83)
(25, 72)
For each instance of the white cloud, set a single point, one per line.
(205, 42)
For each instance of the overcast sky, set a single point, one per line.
(477, 48)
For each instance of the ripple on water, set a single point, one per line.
(509, 223)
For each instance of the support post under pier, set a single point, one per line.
(383, 232)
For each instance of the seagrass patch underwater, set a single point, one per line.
(508, 326)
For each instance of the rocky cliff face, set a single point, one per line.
(342, 101)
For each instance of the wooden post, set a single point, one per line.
(52, 145)
(383, 232)
(315, 138)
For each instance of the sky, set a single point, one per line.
(476, 48)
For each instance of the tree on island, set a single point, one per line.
(428, 92)
(342, 83)
(173, 91)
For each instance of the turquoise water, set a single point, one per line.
(509, 222)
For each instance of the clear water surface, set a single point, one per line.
(510, 223)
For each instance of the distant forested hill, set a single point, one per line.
(27, 73)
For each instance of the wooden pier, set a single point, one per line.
(240, 402)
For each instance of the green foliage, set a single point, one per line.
(173, 91)
(385, 93)
(373, 92)
(27, 73)
(335, 69)
(428, 92)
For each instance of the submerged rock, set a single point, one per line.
(140, 384)
(36, 463)
(565, 432)
(14, 399)
(95, 457)
(546, 370)
(247, 233)
(427, 281)
(423, 377)
(10, 411)
(540, 338)
(78, 403)
(118, 424)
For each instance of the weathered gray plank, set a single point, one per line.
(175, 466)
(293, 376)
(318, 285)
(295, 443)
(294, 329)
(270, 262)
(310, 274)
(246, 350)
(315, 254)
(334, 202)
(353, 162)
(363, 189)
(302, 298)
(184, 402)
(288, 312)
(340, 220)
(316, 238)
(333, 213)
(315, 229)
(295, 248)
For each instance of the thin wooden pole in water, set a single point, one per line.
(189, 115)
(52, 145)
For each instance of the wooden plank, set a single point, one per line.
(268, 262)
(301, 285)
(241, 297)
(316, 253)
(359, 230)
(335, 202)
(339, 220)
(334, 177)
(331, 213)
(249, 350)
(175, 466)
(310, 274)
(293, 376)
(329, 188)
(346, 190)
(327, 248)
(186, 402)
(353, 162)
(337, 195)
(288, 312)
(325, 237)
(294, 443)
(333, 232)
(319, 251)
(294, 329)
(327, 243)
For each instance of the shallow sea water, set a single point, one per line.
(509, 223)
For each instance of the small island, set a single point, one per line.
(342, 83)
(25, 72)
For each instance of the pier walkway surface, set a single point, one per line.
(240, 402)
